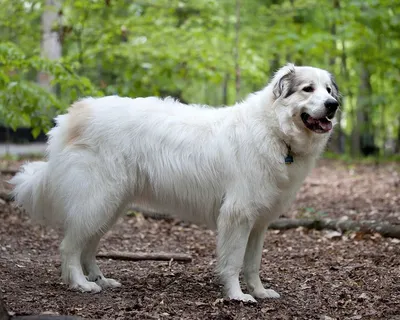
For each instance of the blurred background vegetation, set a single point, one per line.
(201, 51)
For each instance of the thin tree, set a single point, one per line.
(338, 138)
(236, 51)
(51, 45)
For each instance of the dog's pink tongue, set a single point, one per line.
(323, 124)
(326, 125)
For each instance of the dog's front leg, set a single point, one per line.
(233, 233)
(252, 261)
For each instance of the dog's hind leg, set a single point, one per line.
(88, 209)
(71, 249)
(252, 261)
(233, 232)
(88, 256)
(78, 250)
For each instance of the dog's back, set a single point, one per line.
(111, 151)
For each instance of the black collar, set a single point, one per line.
(289, 156)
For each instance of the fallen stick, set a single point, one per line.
(159, 256)
(45, 317)
(3, 310)
(150, 213)
(4, 315)
(9, 171)
(383, 228)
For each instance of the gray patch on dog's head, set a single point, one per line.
(297, 81)
(284, 80)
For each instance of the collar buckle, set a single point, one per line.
(289, 158)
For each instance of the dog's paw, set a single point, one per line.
(108, 283)
(243, 297)
(266, 293)
(103, 281)
(86, 287)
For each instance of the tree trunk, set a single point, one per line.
(397, 147)
(355, 136)
(337, 143)
(382, 126)
(236, 52)
(51, 45)
(3, 311)
(362, 135)
(348, 93)
(225, 90)
(274, 64)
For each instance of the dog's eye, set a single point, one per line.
(308, 89)
(329, 90)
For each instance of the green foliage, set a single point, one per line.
(25, 103)
(187, 49)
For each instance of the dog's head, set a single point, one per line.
(308, 95)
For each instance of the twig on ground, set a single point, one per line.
(150, 213)
(45, 317)
(3, 311)
(383, 228)
(9, 171)
(158, 256)
(4, 315)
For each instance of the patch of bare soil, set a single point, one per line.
(362, 192)
(350, 277)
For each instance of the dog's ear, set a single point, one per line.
(283, 81)
(335, 90)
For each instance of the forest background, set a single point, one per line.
(206, 51)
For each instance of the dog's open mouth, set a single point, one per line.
(321, 125)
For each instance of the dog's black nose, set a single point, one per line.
(331, 105)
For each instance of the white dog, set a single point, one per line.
(235, 169)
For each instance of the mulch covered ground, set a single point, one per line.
(355, 276)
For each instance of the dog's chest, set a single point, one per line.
(298, 169)
(296, 172)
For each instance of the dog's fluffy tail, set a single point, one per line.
(31, 192)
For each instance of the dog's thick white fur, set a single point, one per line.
(223, 167)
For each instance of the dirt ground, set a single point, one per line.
(355, 276)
